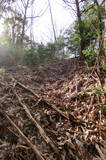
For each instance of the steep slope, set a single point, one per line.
(60, 106)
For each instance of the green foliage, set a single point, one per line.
(98, 90)
(39, 53)
(60, 44)
(103, 67)
(91, 29)
(72, 40)
(2, 71)
(41, 68)
(74, 43)
(89, 54)
(89, 33)
(4, 39)
(30, 57)
(13, 26)
(68, 43)
(103, 107)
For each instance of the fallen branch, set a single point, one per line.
(13, 132)
(41, 99)
(41, 130)
(26, 140)
(65, 115)
(103, 157)
(28, 89)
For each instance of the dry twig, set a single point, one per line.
(103, 157)
(41, 130)
(26, 140)
(41, 99)
(28, 89)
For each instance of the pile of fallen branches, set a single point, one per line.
(59, 119)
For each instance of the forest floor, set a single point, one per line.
(56, 111)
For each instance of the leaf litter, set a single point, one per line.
(52, 113)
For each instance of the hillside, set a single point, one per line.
(55, 111)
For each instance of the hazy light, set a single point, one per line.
(42, 29)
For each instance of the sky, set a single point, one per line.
(42, 28)
(63, 18)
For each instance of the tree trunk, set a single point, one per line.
(100, 51)
(100, 27)
(24, 22)
(80, 28)
(54, 32)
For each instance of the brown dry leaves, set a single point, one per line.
(66, 108)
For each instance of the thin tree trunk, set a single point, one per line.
(24, 22)
(100, 51)
(54, 32)
(80, 28)
(13, 33)
(100, 27)
(31, 29)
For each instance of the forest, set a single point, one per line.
(52, 79)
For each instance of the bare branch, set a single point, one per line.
(39, 14)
